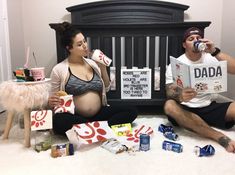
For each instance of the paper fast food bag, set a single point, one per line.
(67, 103)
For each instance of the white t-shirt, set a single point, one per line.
(201, 100)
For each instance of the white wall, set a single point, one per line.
(5, 56)
(205, 10)
(15, 20)
(228, 39)
(29, 26)
(33, 17)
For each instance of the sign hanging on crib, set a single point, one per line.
(136, 83)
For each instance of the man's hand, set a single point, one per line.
(178, 94)
(188, 94)
(210, 46)
(173, 92)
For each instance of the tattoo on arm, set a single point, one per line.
(224, 141)
(173, 92)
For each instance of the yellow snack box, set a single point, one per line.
(122, 129)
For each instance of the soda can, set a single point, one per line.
(200, 46)
(171, 135)
(207, 150)
(144, 142)
(163, 128)
(172, 146)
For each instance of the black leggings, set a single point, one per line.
(112, 114)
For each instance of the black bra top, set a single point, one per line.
(76, 86)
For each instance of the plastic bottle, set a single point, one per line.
(43, 140)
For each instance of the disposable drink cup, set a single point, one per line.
(38, 73)
(100, 57)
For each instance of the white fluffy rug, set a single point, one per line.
(94, 160)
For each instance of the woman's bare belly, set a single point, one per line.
(88, 104)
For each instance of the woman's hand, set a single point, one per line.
(54, 100)
(101, 66)
(104, 74)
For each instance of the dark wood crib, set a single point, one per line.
(133, 33)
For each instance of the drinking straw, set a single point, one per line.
(26, 65)
(35, 60)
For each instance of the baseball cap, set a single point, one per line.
(192, 31)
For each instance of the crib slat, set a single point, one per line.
(140, 52)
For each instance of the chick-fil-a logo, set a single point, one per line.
(93, 131)
(41, 119)
(66, 105)
(103, 58)
(137, 132)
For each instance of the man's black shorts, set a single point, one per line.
(213, 115)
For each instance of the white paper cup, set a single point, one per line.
(100, 57)
(38, 73)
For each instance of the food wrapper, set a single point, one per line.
(133, 138)
(60, 150)
(114, 146)
(73, 138)
(122, 129)
(88, 133)
(22, 75)
(66, 105)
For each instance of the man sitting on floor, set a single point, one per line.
(197, 112)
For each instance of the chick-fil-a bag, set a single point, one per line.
(66, 105)
(41, 119)
(88, 133)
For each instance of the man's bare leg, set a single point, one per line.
(230, 116)
(194, 123)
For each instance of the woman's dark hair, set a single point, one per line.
(67, 32)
